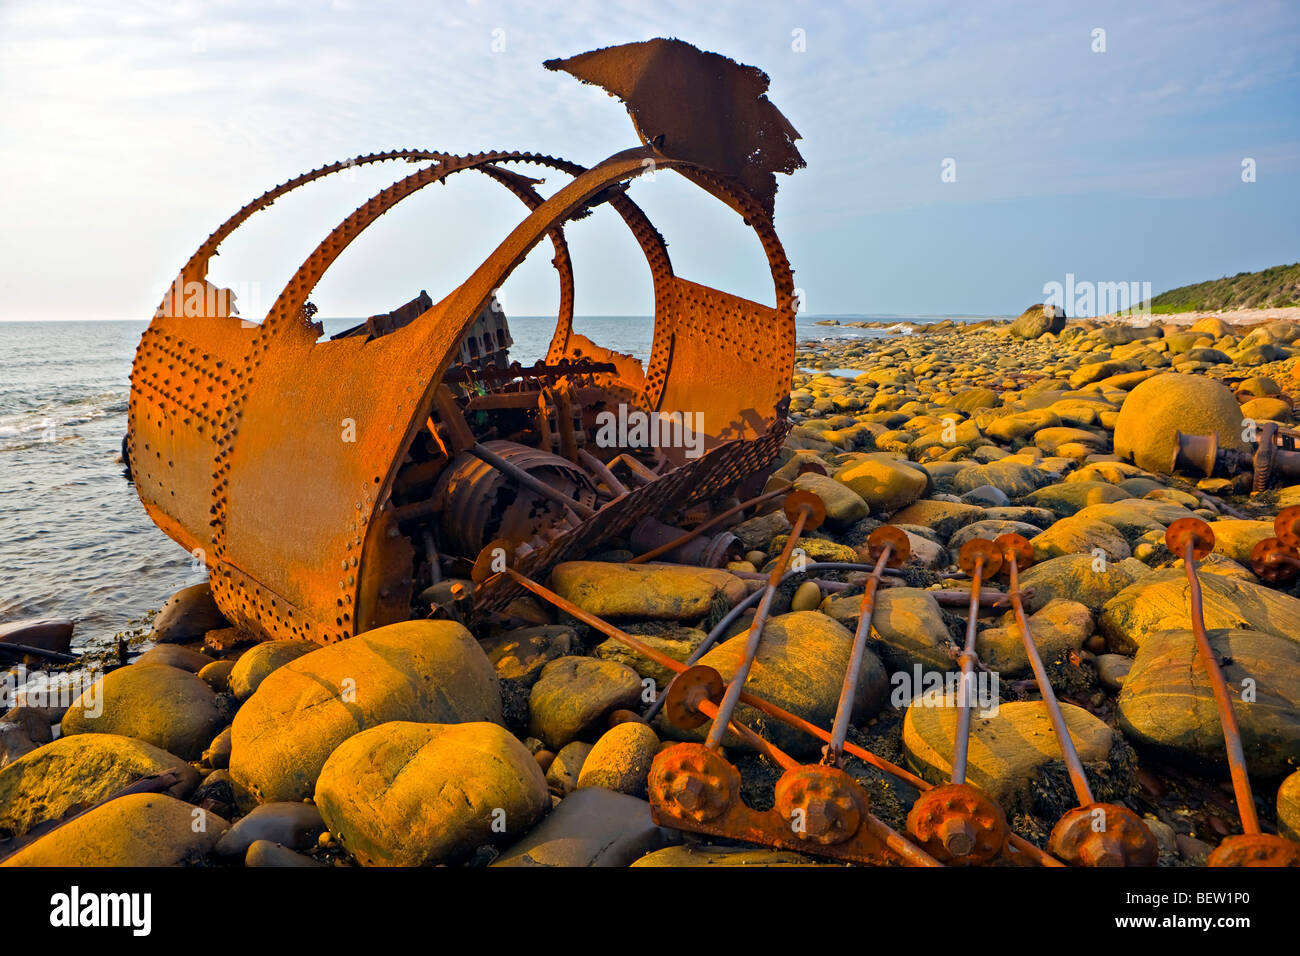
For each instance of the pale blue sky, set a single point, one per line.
(128, 130)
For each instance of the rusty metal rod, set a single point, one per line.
(16, 649)
(758, 703)
(616, 487)
(763, 746)
(962, 741)
(840, 727)
(705, 526)
(528, 481)
(1278, 557)
(1072, 763)
(635, 466)
(1227, 718)
(904, 847)
(729, 700)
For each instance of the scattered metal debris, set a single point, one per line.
(1277, 455)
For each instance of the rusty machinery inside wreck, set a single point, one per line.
(326, 482)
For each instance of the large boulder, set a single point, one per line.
(80, 771)
(644, 591)
(1081, 535)
(258, 661)
(1235, 537)
(1057, 628)
(414, 794)
(1015, 479)
(172, 709)
(174, 655)
(187, 615)
(1161, 602)
(1134, 517)
(1084, 578)
(1021, 426)
(799, 666)
(1167, 704)
(907, 627)
(844, 506)
(429, 671)
(620, 759)
(944, 517)
(1160, 407)
(141, 829)
(575, 694)
(884, 482)
(1069, 497)
(1038, 320)
(1007, 751)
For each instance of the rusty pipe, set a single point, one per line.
(1227, 718)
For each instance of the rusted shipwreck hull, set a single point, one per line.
(315, 478)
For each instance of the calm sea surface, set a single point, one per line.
(74, 539)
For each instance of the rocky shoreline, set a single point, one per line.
(517, 740)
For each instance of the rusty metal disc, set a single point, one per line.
(1287, 527)
(1193, 530)
(822, 804)
(958, 825)
(800, 500)
(1267, 560)
(1256, 849)
(682, 699)
(1103, 834)
(896, 538)
(1018, 545)
(493, 559)
(692, 782)
(980, 547)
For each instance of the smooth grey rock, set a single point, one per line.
(294, 825)
(591, 827)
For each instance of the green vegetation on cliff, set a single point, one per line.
(1273, 288)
